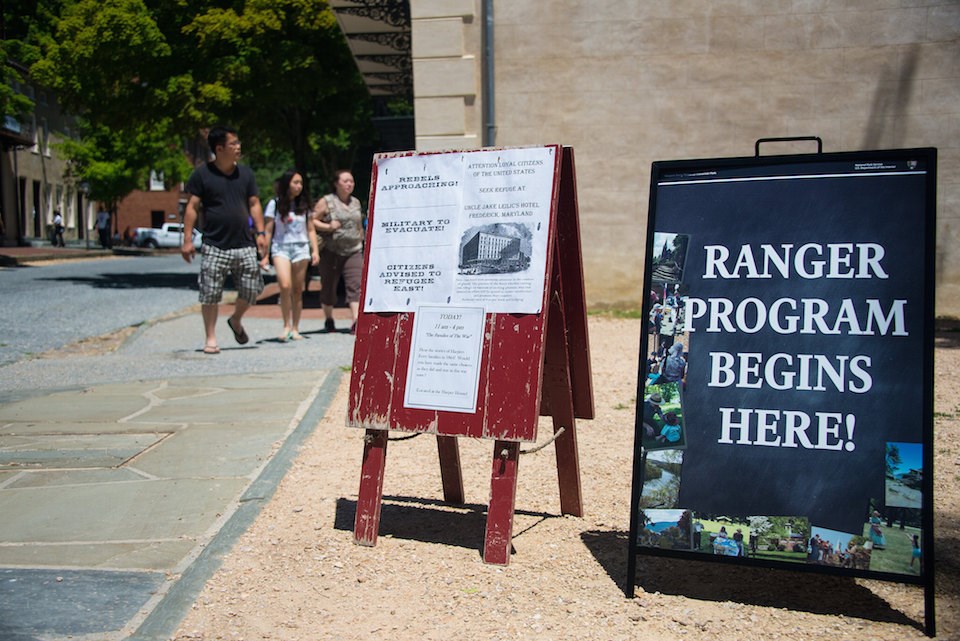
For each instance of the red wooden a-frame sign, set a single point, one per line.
(531, 365)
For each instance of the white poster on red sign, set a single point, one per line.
(461, 229)
(444, 367)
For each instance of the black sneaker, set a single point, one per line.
(329, 325)
(353, 328)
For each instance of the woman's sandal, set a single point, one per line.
(295, 335)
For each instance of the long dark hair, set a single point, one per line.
(301, 204)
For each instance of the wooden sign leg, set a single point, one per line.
(450, 472)
(367, 523)
(568, 458)
(503, 491)
(558, 391)
(568, 464)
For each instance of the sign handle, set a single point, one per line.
(756, 145)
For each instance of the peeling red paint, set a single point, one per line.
(530, 364)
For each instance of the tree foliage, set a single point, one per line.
(145, 75)
(760, 525)
(290, 81)
(103, 60)
(113, 164)
(892, 460)
(26, 25)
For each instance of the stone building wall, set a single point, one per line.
(34, 179)
(628, 82)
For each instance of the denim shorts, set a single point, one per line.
(294, 252)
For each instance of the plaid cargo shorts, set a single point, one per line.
(240, 263)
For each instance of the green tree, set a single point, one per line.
(760, 525)
(24, 26)
(108, 63)
(892, 459)
(291, 82)
(113, 164)
(99, 60)
(667, 393)
(145, 71)
(12, 103)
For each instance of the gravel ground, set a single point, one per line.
(296, 574)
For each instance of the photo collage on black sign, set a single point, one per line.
(891, 534)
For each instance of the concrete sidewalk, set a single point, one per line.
(122, 488)
(14, 256)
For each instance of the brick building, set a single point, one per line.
(150, 207)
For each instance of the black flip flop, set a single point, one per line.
(240, 335)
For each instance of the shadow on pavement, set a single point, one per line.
(947, 339)
(168, 280)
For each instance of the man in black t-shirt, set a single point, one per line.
(229, 197)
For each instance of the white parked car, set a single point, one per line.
(168, 235)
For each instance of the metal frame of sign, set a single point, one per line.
(760, 178)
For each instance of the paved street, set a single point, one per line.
(125, 475)
(57, 302)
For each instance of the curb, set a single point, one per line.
(169, 613)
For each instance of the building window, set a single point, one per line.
(156, 181)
